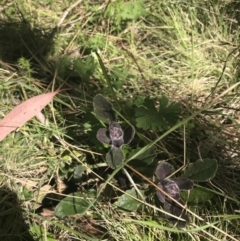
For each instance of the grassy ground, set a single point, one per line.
(187, 51)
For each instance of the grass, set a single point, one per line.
(185, 50)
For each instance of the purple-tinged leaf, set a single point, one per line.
(160, 195)
(102, 135)
(116, 134)
(118, 143)
(172, 208)
(163, 170)
(103, 109)
(114, 157)
(129, 133)
(171, 188)
(183, 183)
(116, 131)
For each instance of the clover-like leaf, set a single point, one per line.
(163, 170)
(129, 133)
(116, 134)
(103, 109)
(183, 183)
(102, 135)
(115, 157)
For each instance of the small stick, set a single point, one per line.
(133, 183)
(67, 12)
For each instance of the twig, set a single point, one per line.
(223, 70)
(67, 12)
(133, 183)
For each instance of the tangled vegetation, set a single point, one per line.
(142, 142)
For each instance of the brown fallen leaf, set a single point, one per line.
(47, 212)
(24, 112)
(61, 186)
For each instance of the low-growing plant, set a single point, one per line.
(172, 186)
(114, 136)
(168, 188)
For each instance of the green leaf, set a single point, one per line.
(201, 170)
(79, 171)
(127, 203)
(115, 157)
(145, 158)
(64, 66)
(149, 117)
(197, 195)
(73, 204)
(131, 10)
(120, 10)
(27, 193)
(84, 69)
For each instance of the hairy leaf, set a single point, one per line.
(149, 117)
(103, 109)
(129, 133)
(183, 183)
(201, 170)
(115, 157)
(163, 170)
(102, 135)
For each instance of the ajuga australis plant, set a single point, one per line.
(172, 186)
(114, 136)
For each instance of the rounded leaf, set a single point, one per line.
(129, 133)
(183, 183)
(163, 170)
(114, 157)
(102, 135)
(201, 170)
(74, 203)
(103, 109)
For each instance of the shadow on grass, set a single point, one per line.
(19, 39)
(13, 226)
